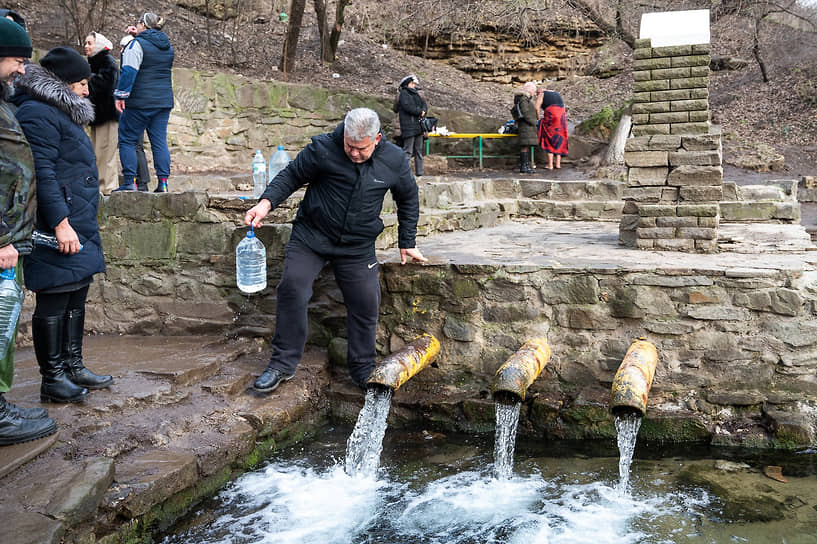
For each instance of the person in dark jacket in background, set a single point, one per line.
(53, 110)
(349, 172)
(17, 209)
(524, 113)
(411, 107)
(144, 98)
(105, 126)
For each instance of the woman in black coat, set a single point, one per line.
(105, 126)
(524, 113)
(52, 110)
(411, 108)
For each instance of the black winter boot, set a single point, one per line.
(47, 336)
(524, 162)
(16, 429)
(72, 353)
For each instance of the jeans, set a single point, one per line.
(132, 124)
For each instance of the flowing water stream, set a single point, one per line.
(507, 420)
(366, 441)
(435, 489)
(627, 425)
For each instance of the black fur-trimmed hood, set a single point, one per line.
(40, 84)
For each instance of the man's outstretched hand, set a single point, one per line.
(412, 252)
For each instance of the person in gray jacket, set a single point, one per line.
(348, 172)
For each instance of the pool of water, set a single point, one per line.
(434, 489)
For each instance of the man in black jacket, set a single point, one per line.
(348, 172)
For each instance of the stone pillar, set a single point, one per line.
(673, 156)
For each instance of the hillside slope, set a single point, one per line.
(781, 114)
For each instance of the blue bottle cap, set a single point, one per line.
(250, 233)
(7, 274)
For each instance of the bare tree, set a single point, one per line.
(84, 16)
(296, 15)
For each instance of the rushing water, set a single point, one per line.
(432, 489)
(507, 420)
(627, 425)
(366, 441)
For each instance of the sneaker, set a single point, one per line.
(126, 187)
(270, 379)
(161, 188)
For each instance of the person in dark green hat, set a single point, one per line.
(18, 207)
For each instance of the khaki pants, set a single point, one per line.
(106, 139)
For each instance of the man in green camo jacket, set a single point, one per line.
(17, 211)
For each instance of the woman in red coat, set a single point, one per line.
(552, 126)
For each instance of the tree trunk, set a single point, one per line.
(615, 147)
(610, 28)
(323, 30)
(334, 38)
(296, 15)
(756, 51)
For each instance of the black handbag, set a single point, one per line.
(428, 124)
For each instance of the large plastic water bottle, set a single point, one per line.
(259, 174)
(251, 264)
(11, 301)
(278, 161)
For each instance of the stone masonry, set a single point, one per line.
(673, 157)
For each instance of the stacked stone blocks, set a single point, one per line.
(674, 155)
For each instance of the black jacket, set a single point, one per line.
(340, 212)
(410, 107)
(52, 118)
(101, 85)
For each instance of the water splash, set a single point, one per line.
(366, 441)
(627, 425)
(507, 420)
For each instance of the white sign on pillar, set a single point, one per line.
(667, 28)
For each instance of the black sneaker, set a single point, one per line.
(270, 379)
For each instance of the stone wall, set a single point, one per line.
(221, 119)
(674, 157)
(737, 344)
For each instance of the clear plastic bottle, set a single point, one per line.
(277, 162)
(11, 301)
(251, 264)
(40, 238)
(259, 174)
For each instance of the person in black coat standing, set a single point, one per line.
(53, 110)
(411, 108)
(105, 126)
(348, 173)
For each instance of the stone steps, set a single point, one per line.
(176, 425)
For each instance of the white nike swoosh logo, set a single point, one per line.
(372, 265)
(378, 181)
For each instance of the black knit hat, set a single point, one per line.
(14, 41)
(66, 64)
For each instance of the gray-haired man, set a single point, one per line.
(349, 172)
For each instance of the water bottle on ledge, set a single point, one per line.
(278, 161)
(251, 264)
(11, 301)
(44, 239)
(259, 174)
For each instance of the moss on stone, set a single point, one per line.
(673, 430)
